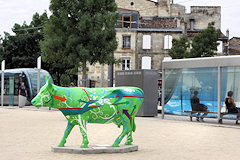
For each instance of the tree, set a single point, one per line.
(80, 31)
(205, 43)
(180, 48)
(22, 49)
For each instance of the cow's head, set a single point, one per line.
(45, 95)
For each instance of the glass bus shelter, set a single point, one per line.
(212, 77)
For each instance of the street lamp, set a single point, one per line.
(2, 89)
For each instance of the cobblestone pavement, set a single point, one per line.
(28, 133)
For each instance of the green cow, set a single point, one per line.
(93, 105)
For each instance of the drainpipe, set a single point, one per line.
(170, 11)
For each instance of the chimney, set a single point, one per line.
(183, 26)
(227, 33)
(164, 8)
(226, 47)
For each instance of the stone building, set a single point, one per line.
(145, 30)
(234, 46)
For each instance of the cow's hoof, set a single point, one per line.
(84, 146)
(61, 145)
(115, 145)
(128, 143)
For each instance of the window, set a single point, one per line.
(126, 42)
(146, 42)
(126, 21)
(167, 42)
(191, 24)
(125, 63)
(146, 62)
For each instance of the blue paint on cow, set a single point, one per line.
(75, 111)
(121, 94)
(72, 111)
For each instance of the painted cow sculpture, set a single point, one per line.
(93, 105)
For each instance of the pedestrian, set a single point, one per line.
(230, 104)
(22, 95)
(197, 106)
(71, 84)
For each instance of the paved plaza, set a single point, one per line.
(28, 133)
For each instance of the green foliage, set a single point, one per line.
(22, 49)
(80, 31)
(180, 48)
(205, 43)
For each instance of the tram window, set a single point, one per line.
(16, 84)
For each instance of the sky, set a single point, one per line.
(18, 11)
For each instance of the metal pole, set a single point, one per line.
(163, 90)
(110, 73)
(219, 92)
(2, 88)
(38, 81)
(102, 75)
(38, 75)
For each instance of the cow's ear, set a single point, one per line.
(48, 81)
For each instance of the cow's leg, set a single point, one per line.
(126, 129)
(66, 133)
(129, 139)
(83, 130)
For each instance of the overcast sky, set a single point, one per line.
(18, 11)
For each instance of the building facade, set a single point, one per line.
(145, 30)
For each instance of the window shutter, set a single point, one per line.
(146, 62)
(146, 42)
(167, 42)
(170, 42)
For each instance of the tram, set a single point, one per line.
(12, 82)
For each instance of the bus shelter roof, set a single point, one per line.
(220, 61)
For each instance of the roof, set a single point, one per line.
(195, 32)
(21, 70)
(152, 1)
(151, 29)
(158, 22)
(237, 38)
(202, 62)
(159, 30)
(234, 45)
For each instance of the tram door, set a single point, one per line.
(8, 90)
(11, 90)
